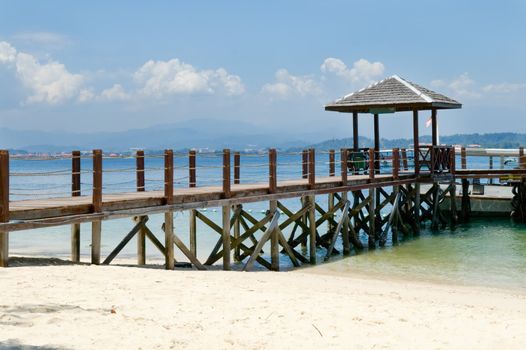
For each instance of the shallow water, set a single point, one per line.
(484, 252)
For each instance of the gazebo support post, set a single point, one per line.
(355, 136)
(416, 147)
(377, 194)
(376, 144)
(434, 127)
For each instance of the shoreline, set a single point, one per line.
(133, 307)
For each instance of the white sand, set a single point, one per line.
(71, 307)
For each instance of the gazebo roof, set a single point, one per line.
(390, 95)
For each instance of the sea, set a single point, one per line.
(488, 252)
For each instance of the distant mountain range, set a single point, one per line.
(217, 134)
(493, 140)
(204, 133)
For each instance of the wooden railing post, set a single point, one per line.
(96, 225)
(312, 168)
(332, 167)
(75, 173)
(97, 181)
(75, 192)
(139, 163)
(452, 161)
(416, 159)
(343, 165)
(433, 158)
(521, 158)
(226, 173)
(304, 164)
(371, 163)
(4, 206)
(169, 176)
(191, 169)
(404, 159)
(463, 158)
(272, 171)
(396, 163)
(237, 168)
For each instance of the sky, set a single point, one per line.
(95, 66)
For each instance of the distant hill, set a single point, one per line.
(202, 133)
(493, 140)
(217, 134)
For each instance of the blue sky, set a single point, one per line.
(101, 65)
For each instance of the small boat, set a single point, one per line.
(510, 160)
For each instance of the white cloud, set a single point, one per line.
(7, 52)
(86, 95)
(161, 78)
(48, 39)
(288, 85)
(115, 93)
(362, 71)
(47, 82)
(503, 88)
(464, 86)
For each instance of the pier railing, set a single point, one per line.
(32, 177)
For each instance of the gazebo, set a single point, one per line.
(393, 94)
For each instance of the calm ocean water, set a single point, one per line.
(486, 252)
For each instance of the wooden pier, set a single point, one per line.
(363, 196)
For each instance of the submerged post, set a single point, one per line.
(345, 227)
(193, 212)
(330, 196)
(75, 192)
(141, 234)
(168, 216)
(96, 226)
(226, 210)
(4, 206)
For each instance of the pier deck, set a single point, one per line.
(187, 198)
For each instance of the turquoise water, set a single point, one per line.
(484, 252)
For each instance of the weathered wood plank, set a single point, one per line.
(169, 240)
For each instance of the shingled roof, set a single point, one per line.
(393, 94)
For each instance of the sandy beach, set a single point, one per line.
(106, 307)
